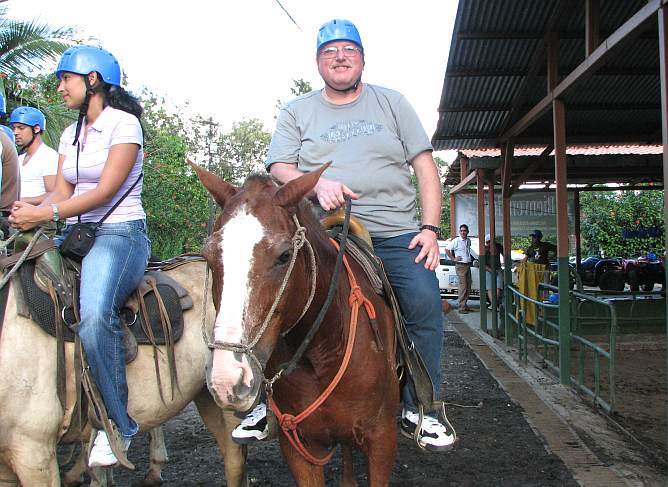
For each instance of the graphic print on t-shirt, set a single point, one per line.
(344, 131)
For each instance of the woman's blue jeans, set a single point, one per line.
(110, 272)
(419, 297)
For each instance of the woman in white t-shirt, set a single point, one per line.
(100, 159)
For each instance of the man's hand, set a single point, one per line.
(429, 243)
(331, 194)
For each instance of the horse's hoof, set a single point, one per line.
(152, 480)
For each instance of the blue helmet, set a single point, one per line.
(3, 105)
(9, 133)
(28, 116)
(338, 30)
(536, 233)
(86, 59)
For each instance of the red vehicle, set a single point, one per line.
(645, 271)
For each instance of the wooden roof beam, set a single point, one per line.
(590, 64)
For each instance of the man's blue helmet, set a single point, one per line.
(536, 233)
(338, 30)
(9, 133)
(28, 116)
(3, 105)
(86, 59)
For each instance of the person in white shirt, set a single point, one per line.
(459, 250)
(38, 163)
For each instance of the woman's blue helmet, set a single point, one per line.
(86, 59)
(3, 105)
(9, 133)
(28, 116)
(338, 30)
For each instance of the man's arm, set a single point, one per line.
(429, 185)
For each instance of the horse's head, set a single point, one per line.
(250, 252)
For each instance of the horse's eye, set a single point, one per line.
(284, 258)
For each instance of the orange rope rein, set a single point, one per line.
(289, 422)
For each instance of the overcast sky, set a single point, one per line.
(234, 59)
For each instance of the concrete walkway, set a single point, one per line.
(557, 414)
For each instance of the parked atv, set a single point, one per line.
(644, 272)
(607, 274)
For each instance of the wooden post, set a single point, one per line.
(663, 71)
(559, 121)
(507, 150)
(480, 180)
(492, 253)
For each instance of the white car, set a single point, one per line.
(447, 275)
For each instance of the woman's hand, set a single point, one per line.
(26, 216)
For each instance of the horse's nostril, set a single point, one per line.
(238, 356)
(241, 390)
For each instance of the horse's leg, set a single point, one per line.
(221, 423)
(348, 478)
(381, 453)
(101, 477)
(35, 463)
(7, 477)
(72, 477)
(158, 455)
(305, 474)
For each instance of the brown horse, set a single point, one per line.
(272, 265)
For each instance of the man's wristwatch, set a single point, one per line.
(56, 216)
(433, 228)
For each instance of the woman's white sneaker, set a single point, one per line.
(433, 435)
(101, 454)
(254, 427)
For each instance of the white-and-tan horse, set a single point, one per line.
(31, 416)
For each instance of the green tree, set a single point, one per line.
(605, 215)
(27, 48)
(175, 202)
(244, 149)
(299, 87)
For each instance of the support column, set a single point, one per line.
(507, 151)
(578, 237)
(559, 121)
(480, 193)
(663, 71)
(492, 253)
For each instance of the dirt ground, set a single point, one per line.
(497, 446)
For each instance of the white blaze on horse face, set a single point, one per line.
(240, 236)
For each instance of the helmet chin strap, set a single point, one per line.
(24, 147)
(350, 89)
(83, 109)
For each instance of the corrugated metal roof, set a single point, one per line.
(495, 45)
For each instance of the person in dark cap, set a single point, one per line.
(538, 252)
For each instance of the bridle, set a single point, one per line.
(299, 240)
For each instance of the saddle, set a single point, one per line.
(409, 362)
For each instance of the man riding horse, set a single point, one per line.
(374, 137)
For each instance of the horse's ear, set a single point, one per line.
(220, 189)
(293, 191)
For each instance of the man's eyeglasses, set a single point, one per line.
(348, 51)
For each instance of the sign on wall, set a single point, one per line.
(528, 211)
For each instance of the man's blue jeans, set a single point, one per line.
(110, 272)
(419, 297)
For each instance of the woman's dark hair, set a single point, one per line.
(117, 97)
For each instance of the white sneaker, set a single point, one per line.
(101, 454)
(433, 435)
(254, 427)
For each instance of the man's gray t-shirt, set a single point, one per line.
(371, 142)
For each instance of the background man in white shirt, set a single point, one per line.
(38, 163)
(459, 250)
